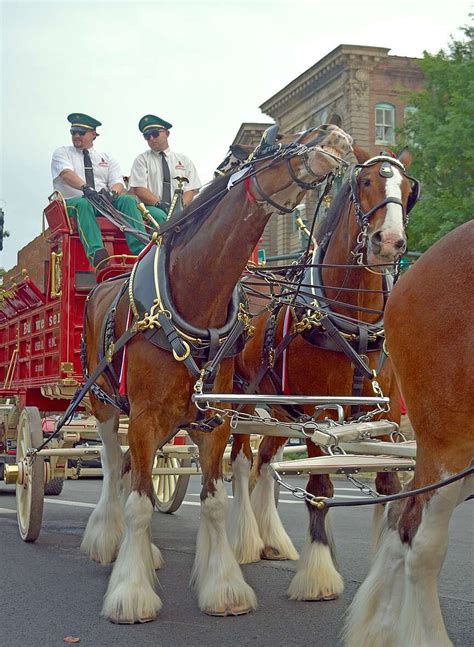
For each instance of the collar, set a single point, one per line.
(166, 152)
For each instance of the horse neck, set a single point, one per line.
(342, 242)
(204, 270)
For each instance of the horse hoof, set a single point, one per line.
(104, 562)
(126, 621)
(272, 554)
(321, 598)
(228, 611)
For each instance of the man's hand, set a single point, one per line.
(164, 206)
(89, 192)
(109, 195)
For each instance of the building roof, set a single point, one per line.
(320, 73)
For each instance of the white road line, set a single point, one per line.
(7, 511)
(79, 504)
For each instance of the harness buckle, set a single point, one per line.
(185, 355)
(209, 424)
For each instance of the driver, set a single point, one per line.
(155, 173)
(79, 170)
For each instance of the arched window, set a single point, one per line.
(384, 123)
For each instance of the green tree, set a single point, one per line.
(441, 133)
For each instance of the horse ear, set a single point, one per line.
(241, 152)
(405, 157)
(360, 154)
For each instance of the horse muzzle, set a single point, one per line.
(386, 246)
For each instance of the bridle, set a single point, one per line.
(363, 217)
(278, 152)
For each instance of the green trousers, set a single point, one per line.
(88, 227)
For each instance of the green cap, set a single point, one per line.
(152, 121)
(80, 120)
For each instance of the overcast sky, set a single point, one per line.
(205, 66)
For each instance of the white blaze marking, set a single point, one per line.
(394, 215)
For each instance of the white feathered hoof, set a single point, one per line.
(229, 611)
(130, 605)
(232, 599)
(316, 579)
(273, 554)
(103, 535)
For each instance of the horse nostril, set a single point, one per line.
(400, 244)
(377, 238)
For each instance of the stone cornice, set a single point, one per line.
(250, 127)
(319, 74)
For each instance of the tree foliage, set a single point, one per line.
(441, 134)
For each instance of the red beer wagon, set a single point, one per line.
(41, 318)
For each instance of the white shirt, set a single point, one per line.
(107, 171)
(147, 172)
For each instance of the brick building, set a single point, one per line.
(360, 88)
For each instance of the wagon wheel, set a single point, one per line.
(170, 489)
(30, 482)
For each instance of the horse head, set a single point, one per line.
(383, 196)
(309, 157)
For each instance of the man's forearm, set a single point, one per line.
(72, 179)
(145, 195)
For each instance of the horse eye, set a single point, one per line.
(366, 182)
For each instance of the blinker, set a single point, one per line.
(386, 170)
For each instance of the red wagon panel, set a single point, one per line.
(42, 306)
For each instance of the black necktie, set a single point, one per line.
(166, 197)
(88, 170)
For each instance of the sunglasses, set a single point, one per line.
(78, 131)
(153, 133)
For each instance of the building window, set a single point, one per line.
(384, 123)
(409, 111)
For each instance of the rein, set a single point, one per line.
(273, 154)
(113, 215)
(324, 503)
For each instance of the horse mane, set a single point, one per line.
(195, 213)
(330, 221)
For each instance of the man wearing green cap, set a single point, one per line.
(154, 173)
(79, 169)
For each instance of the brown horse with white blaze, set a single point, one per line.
(364, 227)
(207, 248)
(429, 326)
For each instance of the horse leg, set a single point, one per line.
(242, 526)
(126, 489)
(385, 483)
(216, 574)
(398, 602)
(277, 544)
(131, 595)
(104, 528)
(317, 577)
